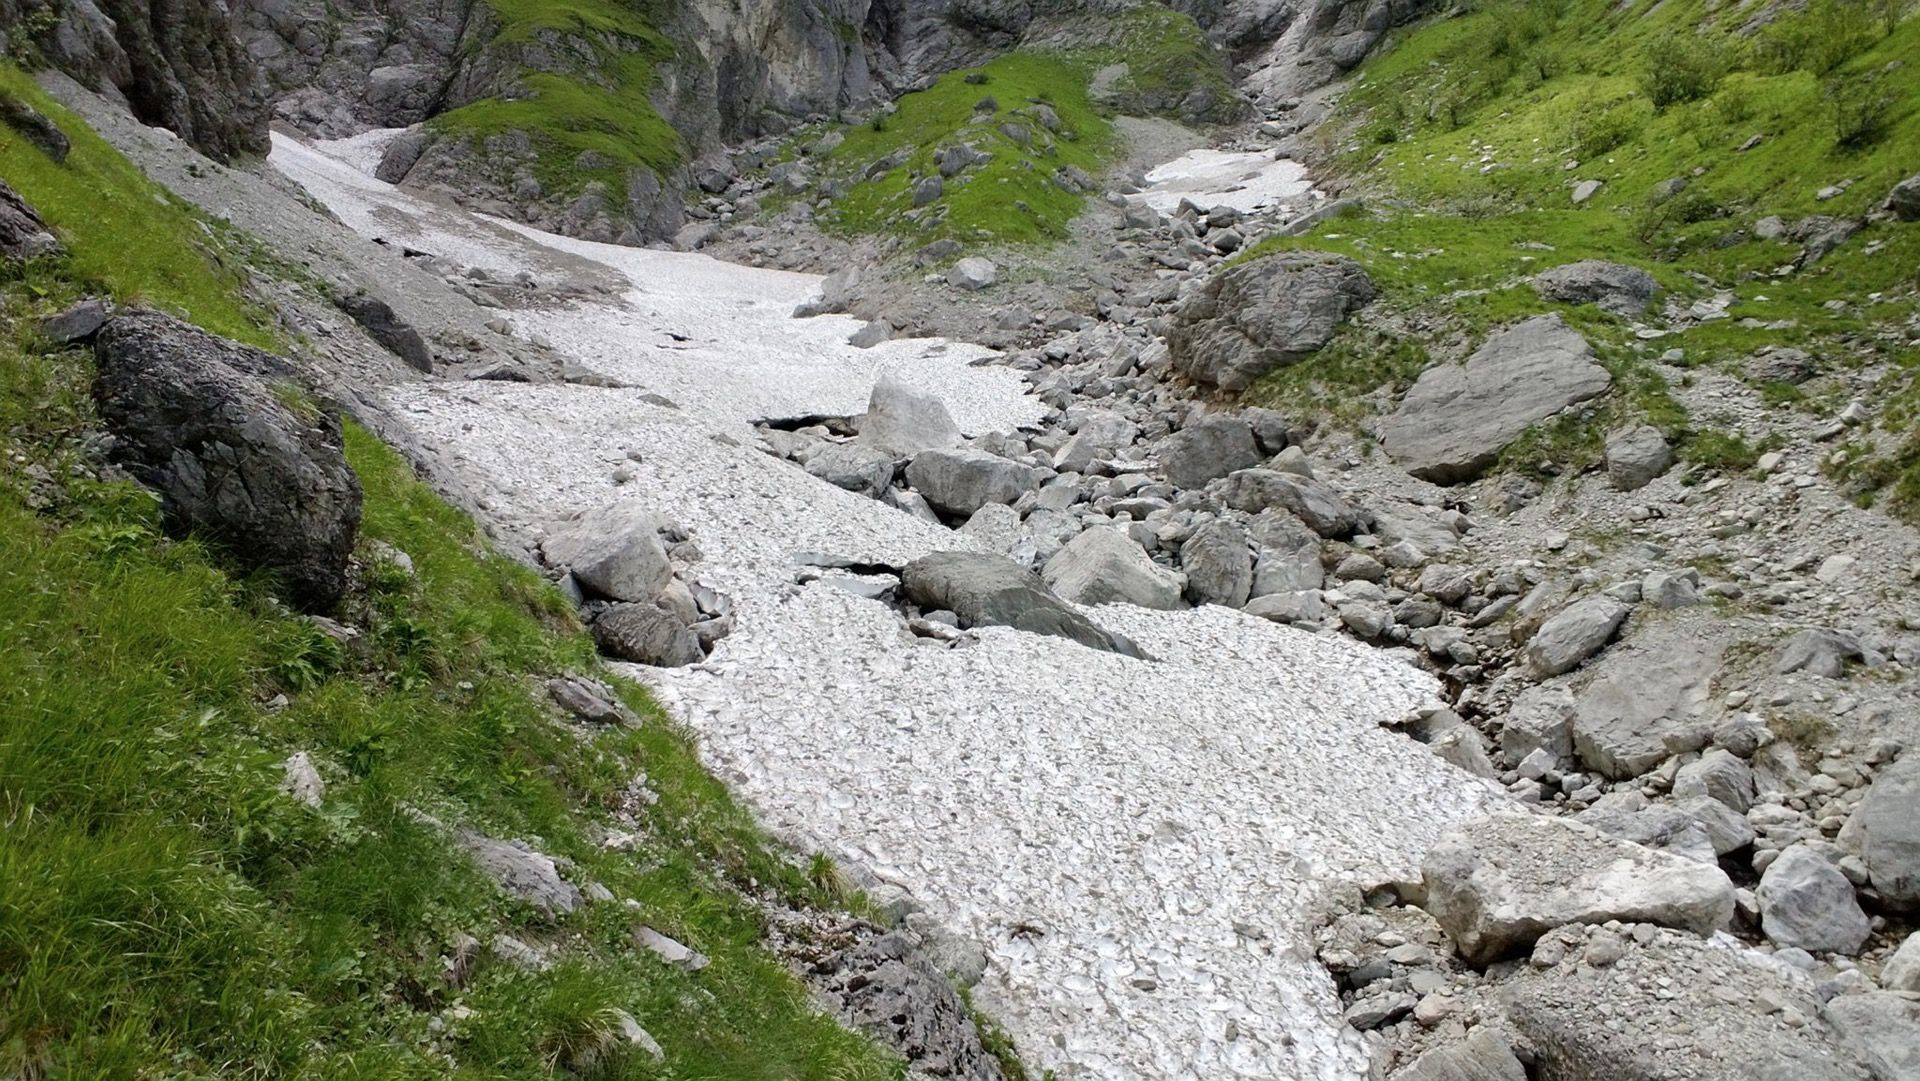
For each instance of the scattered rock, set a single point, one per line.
(888, 989)
(1320, 507)
(302, 780)
(78, 323)
(521, 872)
(1103, 565)
(1264, 314)
(989, 590)
(590, 700)
(1904, 200)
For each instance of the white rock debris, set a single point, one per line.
(1109, 827)
(1246, 181)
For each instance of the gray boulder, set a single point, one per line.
(1717, 775)
(1297, 609)
(1320, 507)
(1456, 419)
(853, 466)
(1264, 314)
(521, 872)
(645, 633)
(1500, 883)
(1103, 565)
(1647, 703)
(903, 422)
(1218, 564)
(1575, 633)
(22, 234)
(1884, 1029)
(888, 988)
(1636, 456)
(1818, 651)
(962, 480)
(990, 590)
(1888, 831)
(973, 274)
(196, 418)
(1904, 199)
(385, 326)
(1661, 827)
(1805, 901)
(1484, 1055)
(1902, 970)
(1210, 449)
(614, 551)
(1614, 287)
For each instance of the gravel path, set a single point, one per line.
(1140, 846)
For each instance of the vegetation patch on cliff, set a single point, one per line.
(1517, 136)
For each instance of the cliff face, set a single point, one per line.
(175, 63)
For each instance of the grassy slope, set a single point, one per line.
(168, 913)
(1527, 88)
(609, 115)
(1013, 198)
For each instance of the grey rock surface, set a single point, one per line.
(1214, 447)
(1456, 419)
(1103, 565)
(886, 987)
(1614, 287)
(1321, 508)
(962, 480)
(903, 422)
(1218, 564)
(1805, 901)
(645, 633)
(1264, 314)
(1645, 703)
(195, 417)
(394, 334)
(1636, 456)
(23, 235)
(614, 551)
(521, 872)
(987, 590)
(1573, 634)
(1889, 831)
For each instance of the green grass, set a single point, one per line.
(169, 913)
(604, 111)
(1458, 132)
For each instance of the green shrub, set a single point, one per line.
(1681, 69)
(1599, 129)
(1824, 36)
(1860, 109)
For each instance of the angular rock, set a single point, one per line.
(1614, 287)
(854, 467)
(383, 325)
(195, 418)
(521, 872)
(962, 480)
(1646, 705)
(1502, 882)
(22, 234)
(1636, 456)
(1304, 607)
(1902, 970)
(973, 274)
(989, 590)
(1805, 901)
(903, 422)
(1264, 314)
(1484, 1055)
(1818, 651)
(646, 634)
(301, 780)
(1575, 633)
(1904, 199)
(1456, 419)
(1888, 831)
(614, 551)
(889, 989)
(1884, 1028)
(78, 323)
(1104, 566)
(1320, 507)
(1213, 448)
(1727, 829)
(1218, 564)
(1716, 775)
(589, 700)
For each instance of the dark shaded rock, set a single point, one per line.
(1613, 287)
(394, 334)
(990, 590)
(645, 634)
(1904, 200)
(889, 989)
(1212, 448)
(1264, 314)
(34, 126)
(196, 419)
(22, 234)
(1320, 507)
(78, 323)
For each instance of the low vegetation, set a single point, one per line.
(1470, 131)
(169, 912)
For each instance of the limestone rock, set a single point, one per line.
(1645, 704)
(1212, 448)
(962, 480)
(385, 326)
(1218, 564)
(1614, 287)
(1320, 507)
(1636, 456)
(521, 872)
(1805, 901)
(903, 422)
(645, 633)
(1103, 565)
(1575, 633)
(614, 551)
(989, 590)
(1500, 883)
(1889, 831)
(1456, 419)
(1264, 314)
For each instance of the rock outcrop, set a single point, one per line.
(988, 590)
(1264, 314)
(258, 472)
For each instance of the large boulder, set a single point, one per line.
(1888, 831)
(1212, 448)
(990, 590)
(1613, 287)
(1103, 565)
(236, 457)
(1805, 901)
(1647, 703)
(853, 466)
(646, 633)
(1500, 883)
(1456, 419)
(614, 551)
(22, 234)
(1904, 200)
(1320, 507)
(959, 481)
(1218, 564)
(1575, 633)
(1883, 1028)
(902, 421)
(1636, 456)
(1264, 314)
(889, 988)
(384, 325)
(1484, 1055)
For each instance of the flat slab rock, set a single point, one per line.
(1502, 882)
(1456, 419)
